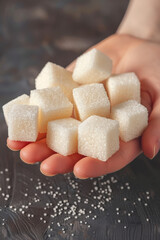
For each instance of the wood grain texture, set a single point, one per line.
(120, 206)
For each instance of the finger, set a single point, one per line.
(35, 152)
(18, 145)
(151, 136)
(57, 163)
(91, 167)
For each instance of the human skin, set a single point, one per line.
(134, 48)
(142, 20)
(129, 54)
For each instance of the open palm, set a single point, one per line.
(129, 54)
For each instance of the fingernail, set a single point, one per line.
(48, 174)
(14, 150)
(83, 178)
(78, 173)
(29, 163)
(156, 149)
(79, 177)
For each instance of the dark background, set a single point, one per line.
(124, 205)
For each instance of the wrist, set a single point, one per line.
(151, 33)
(142, 20)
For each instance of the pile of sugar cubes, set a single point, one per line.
(86, 111)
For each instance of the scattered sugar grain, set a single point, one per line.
(101, 191)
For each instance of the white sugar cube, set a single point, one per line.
(123, 87)
(23, 99)
(62, 136)
(53, 75)
(98, 137)
(132, 118)
(53, 104)
(23, 123)
(91, 67)
(91, 99)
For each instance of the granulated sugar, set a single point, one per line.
(65, 210)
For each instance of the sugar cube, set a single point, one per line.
(98, 137)
(132, 118)
(91, 99)
(53, 104)
(123, 87)
(62, 136)
(53, 75)
(23, 123)
(23, 99)
(91, 67)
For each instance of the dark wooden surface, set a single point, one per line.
(120, 206)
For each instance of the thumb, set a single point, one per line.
(151, 136)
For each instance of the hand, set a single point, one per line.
(128, 54)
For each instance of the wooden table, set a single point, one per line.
(124, 205)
